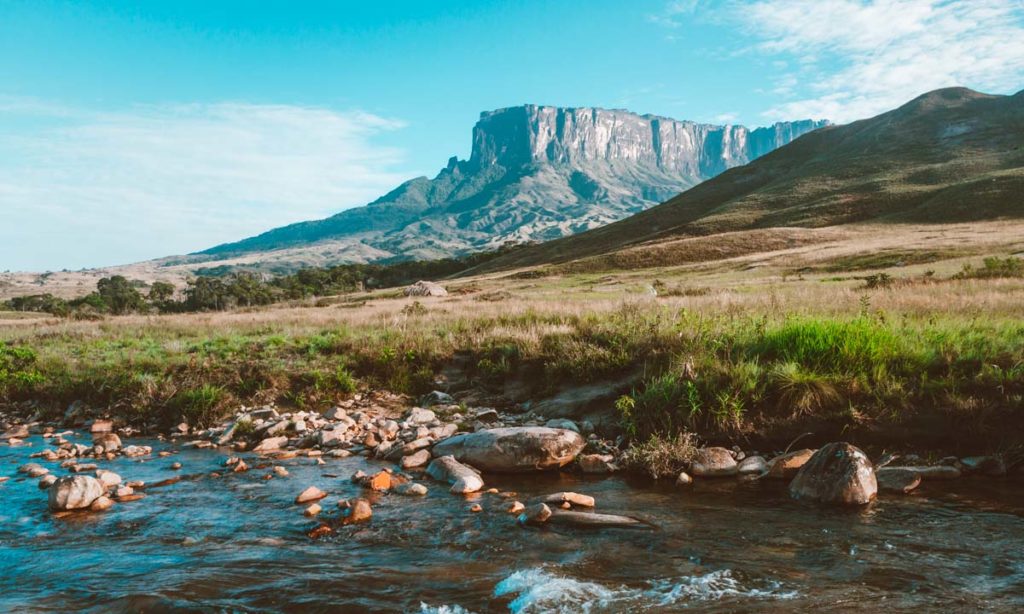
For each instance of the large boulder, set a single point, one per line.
(74, 492)
(426, 288)
(837, 473)
(511, 449)
(713, 463)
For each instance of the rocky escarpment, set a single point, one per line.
(535, 173)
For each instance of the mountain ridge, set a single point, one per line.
(952, 154)
(535, 173)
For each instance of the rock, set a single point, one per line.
(411, 489)
(33, 470)
(312, 510)
(47, 481)
(837, 473)
(562, 423)
(515, 507)
(486, 415)
(124, 491)
(101, 426)
(175, 466)
(785, 466)
(425, 288)
(320, 531)
(418, 415)
(109, 441)
(329, 438)
(462, 478)
(281, 471)
(228, 434)
(894, 479)
(570, 497)
(752, 465)
(591, 520)
(19, 431)
(74, 492)
(240, 467)
(713, 463)
(101, 504)
(109, 479)
(359, 510)
(310, 494)
(436, 398)
(596, 463)
(416, 460)
(415, 446)
(934, 472)
(264, 413)
(379, 482)
(535, 514)
(513, 449)
(270, 444)
(986, 465)
(475, 508)
(684, 479)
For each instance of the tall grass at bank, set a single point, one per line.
(715, 374)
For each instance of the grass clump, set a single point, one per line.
(994, 268)
(662, 456)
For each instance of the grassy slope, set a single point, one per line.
(738, 348)
(951, 155)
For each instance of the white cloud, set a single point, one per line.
(81, 188)
(857, 58)
(672, 14)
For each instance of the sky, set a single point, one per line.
(131, 131)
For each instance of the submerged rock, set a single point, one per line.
(786, 466)
(713, 463)
(33, 470)
(837, 473)
(592, 520)
(463, 479)
(512, 449)
(74, 492)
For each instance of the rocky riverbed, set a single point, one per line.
(382, 506)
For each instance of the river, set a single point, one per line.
(237, 543)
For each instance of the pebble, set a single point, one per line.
(175, 466)
(312, 510)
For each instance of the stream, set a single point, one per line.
(237, 543)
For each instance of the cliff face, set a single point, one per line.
(550, 135)
(535, 173)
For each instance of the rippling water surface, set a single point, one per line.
(237, 543)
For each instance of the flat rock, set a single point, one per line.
(463, 479)
(514, 449)
(897, 480)
(416, 460)
(33, 470)
(593, 520)
(838, 473)
(271, 444)
(713, 463)
(786, 466)
(752, 465)
(932, 472)
(570, 497)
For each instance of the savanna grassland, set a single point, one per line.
(886, 334)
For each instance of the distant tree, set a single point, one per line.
(206, 294)
(160, 292)
(120, 295)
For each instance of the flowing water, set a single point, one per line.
(238, 543)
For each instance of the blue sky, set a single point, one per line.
(133, 132)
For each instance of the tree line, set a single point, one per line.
(230, 289)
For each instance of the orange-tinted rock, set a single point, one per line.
(785, 467)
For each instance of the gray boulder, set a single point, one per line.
(74, 492)
(426, 288)
(462, 478)
(837, 473)
(713, 463)
(513, 449)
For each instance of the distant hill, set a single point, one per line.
(951, 155)
(535, 173)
